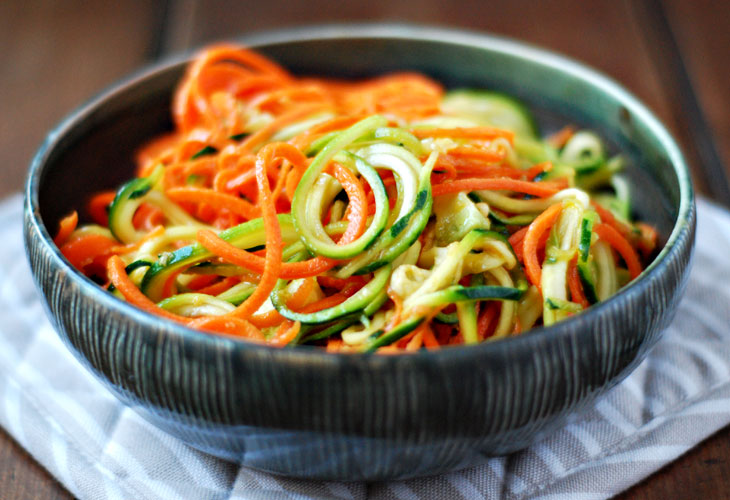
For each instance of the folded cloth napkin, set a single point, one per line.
(98, 448)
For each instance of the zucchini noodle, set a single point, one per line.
(383, 215)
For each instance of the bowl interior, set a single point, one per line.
(493, 398)
(97, 144)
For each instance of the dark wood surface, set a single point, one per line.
(702, 32)
(671, 53)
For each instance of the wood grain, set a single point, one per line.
(701, 29)
(21, 477)
(605, 35)
(58, 53)
(704, 472)
(601, 34)
(54, 56)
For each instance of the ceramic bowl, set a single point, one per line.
(307, 413)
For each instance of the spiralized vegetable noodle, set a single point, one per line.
(380, 215)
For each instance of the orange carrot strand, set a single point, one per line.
(286, 333)
(575, 285)
(217, 200)
(81, 252)
(227, 324)
(66, 227)
(119, 278)
(272, 263)
(610, 235)
(535, 230)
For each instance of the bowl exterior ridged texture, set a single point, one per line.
(303, 412)
(381, 417)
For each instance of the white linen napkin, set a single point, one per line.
(100, 449)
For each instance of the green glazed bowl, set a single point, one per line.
(304, 412)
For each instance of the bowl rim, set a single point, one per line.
(391, 31)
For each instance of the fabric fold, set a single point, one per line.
(99, 449)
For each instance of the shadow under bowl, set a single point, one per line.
(307, 413)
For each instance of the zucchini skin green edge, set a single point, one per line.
(396, 240)
(376, 227)
(158, 273)
(134, 189)
(455, 293)
(395, 334)
(588, 281)
(350, 319)
(585, 273)
(459, 293)
(355, 303)
(408, 227)
(299, 201)
(517, 107)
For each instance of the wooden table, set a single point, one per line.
(671, 54)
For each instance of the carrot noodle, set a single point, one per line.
(540, 168)
(358, 204)
(648, 241)
(298, 298)
(623, 247)
(272, 264)
(575, 286)
(201, 282)
(66, 227)
(334, 345)
(119, 278)
(215, 199)
(429, 339)
(325, 281)
(289, 270)
(227, 324)
(561, 137)
(84, 250)
(331, 301)
(304, 139)
(219, 287)
(534, 232)
(287, 210)
(416, 341)
(267, 319)
(517, 239)
(397, 310)
(97, 207)
(286, 333)
(148, 217)
(608, 218)
(485, 321)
